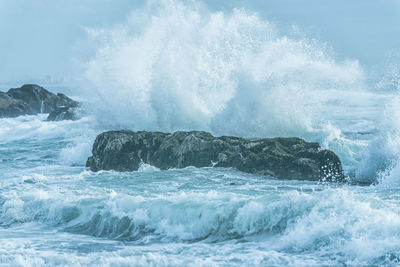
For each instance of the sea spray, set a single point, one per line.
(176, 66)
(179, 66)
(243, 78)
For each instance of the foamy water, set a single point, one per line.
(55, 212)
(175, 66)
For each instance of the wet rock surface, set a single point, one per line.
(282, 158)
(10, 107)
(63, 113)
(31, 99)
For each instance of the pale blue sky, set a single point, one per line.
(47, 37)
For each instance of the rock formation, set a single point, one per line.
(31, 99)
(10, 107)
(282, 158)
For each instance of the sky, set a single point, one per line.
(46, 40)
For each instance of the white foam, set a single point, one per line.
(175, 66)
(36, 127)
(143, 167)
(345, 225)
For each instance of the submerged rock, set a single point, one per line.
(31, 99)
(283, 158)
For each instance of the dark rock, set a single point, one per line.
(283, 158)
(31, 99)
(10, 107)
(39, 99)
(63, 113)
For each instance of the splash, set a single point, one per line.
(382, 157)
(178, 66)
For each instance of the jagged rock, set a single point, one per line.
(63, 113)
(10, 107)
(39, 99)
(31, 99)
(283, 158)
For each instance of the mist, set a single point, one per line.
(46, 41)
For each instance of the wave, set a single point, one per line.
(334, 220)
(37, 128)
(175, 65)
(383, 160)
(63, 142)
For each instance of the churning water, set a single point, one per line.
(179, 66)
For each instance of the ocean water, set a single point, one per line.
(179, 66)
(54, 211)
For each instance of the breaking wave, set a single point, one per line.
(175, 66)
(178, 66)
(339, 222)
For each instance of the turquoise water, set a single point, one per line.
(53, 211)
(228, 69)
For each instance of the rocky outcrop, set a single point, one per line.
(31, 99)
(283, 158)
(10, 107)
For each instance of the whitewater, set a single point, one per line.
(179, 66)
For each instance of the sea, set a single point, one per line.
(180, 66)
